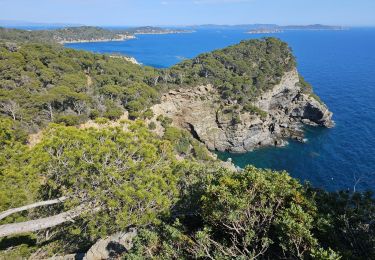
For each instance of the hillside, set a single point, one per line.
(69, 34)
(45, 83)
(118, 166)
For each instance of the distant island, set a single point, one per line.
(81, 34)
(313, 27)
(269, 29)
(157, 30)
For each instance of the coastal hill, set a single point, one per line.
(250, 96)
(257, 97)
(156, 30)
(80, 34)
(102, 158)
(69, 34)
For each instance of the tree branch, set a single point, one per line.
(8, 212)
(44, 223)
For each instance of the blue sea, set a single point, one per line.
(341, 67)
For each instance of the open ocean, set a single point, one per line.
(341, 67)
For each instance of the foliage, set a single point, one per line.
(240, 72)
(238, 215)
(43, 83)
(128, 174)
(16, 185)
(348, 225)
(152, 125)
(164, 121)
(185, 144)
(183, 209)
(307, 89)
(255, 110)
(254, 210)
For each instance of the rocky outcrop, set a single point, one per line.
(112, 247)
(200, 110)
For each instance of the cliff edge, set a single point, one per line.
(276, 115)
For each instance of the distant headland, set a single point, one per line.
(82, 34)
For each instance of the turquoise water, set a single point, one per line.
(341, 67)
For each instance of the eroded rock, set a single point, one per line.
(199, 111)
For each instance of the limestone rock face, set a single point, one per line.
(199, 110)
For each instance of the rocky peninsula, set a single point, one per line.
(287, 108)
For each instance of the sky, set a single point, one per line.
(190, 12)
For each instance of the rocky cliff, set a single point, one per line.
(279, 114)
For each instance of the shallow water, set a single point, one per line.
(341, 67)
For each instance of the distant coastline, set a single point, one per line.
(164, 32)
(122, 38)
(82, 34)
(126, 37)
(264, 31)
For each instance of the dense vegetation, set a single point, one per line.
(59, 35)
(48, 83)
(125, 176)
(41, 83)
(111, 175)
(241, 72)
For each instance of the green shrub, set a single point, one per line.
(113, 112)
(179, 138)
(236, 119)
(255, 110)
(94, 114)
(69, 120)
(148, 114)
(164, 121)
(152, 126)
(101, 120)
(200, 151)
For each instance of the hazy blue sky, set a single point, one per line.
(180, 12)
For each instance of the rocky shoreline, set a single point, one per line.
(288, 109)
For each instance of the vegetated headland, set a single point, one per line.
(104, 158)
